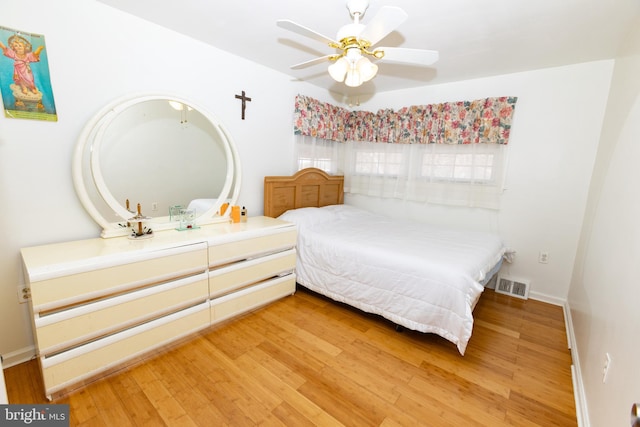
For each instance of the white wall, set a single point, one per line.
(604, 294)
(553, 144)
(98, 54)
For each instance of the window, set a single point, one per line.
(452, 174)
(370, 159)
(317, 153)
(458, 166)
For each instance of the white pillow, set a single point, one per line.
(346, 211)
(308, 217)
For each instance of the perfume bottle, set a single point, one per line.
(235, 214)
(243, 214)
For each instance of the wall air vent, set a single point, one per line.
(514, 287)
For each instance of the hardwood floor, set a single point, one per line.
(305, 360)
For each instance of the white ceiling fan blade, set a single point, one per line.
(299, 29)
(401, 55)
(311, 62)
(385, 21)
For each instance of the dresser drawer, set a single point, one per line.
(69, 289)
(276, 240)
(86, 361)
(247, 299)
(235, 276)
(57, 331)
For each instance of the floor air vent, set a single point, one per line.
(514, 287)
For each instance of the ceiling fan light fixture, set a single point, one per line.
(353, 69)
(178, 106)
(338, 69)
(353, 78)
(366, 69)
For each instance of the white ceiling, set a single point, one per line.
(475, 38)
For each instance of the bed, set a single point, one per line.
(416, 275)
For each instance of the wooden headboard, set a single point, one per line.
(309, 187)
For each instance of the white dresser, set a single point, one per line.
(99, 303)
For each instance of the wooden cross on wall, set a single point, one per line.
(244, 99)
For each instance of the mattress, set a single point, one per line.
(416, 275)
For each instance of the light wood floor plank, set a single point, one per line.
(309, 361)
(135, 402)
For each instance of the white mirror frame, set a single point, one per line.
(89, 144)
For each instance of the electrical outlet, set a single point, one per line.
(24, 293)
(543, 257)
(154, 206)
(607, 366)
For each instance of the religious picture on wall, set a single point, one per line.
(25, 83)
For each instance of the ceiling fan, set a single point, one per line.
(354, 42)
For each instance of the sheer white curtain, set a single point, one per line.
(450, 174)
(312, 152)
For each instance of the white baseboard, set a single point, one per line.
(547, 298)
(582, 413)
(19, 356)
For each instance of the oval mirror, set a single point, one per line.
(155, 152)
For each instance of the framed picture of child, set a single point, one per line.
(25, 81)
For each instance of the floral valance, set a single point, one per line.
(464, 122)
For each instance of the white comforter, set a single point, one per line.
(413, 274)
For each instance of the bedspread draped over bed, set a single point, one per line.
(416, 275)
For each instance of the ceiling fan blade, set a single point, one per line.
(299, 29)
(384, 22)
(401, 55)
(311, 62)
